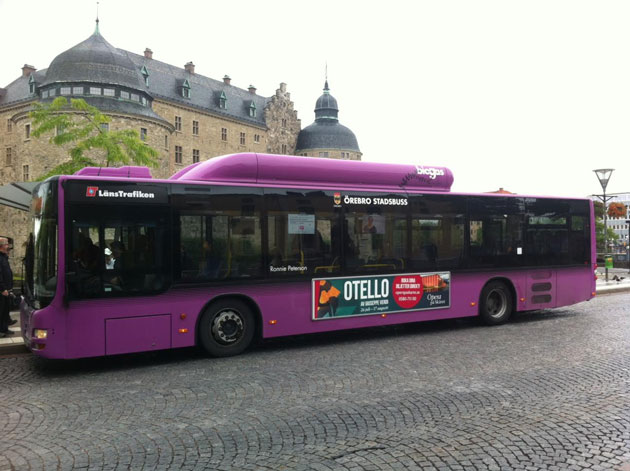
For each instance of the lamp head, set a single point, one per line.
(603, 175)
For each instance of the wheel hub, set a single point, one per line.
(496, 303)
(227, 327)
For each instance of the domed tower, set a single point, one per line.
(326, 137)
(102, 75)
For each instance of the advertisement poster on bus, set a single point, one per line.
(335, 298)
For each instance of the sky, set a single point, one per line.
(529, 96)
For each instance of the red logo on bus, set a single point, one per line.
(91, 191)
(337, 198)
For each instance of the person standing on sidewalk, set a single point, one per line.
(6, 284)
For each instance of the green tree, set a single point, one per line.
(599, 227)
(80, 126)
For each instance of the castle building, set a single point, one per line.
(326, 137)
(185, 116)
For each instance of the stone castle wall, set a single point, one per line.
(40, 156)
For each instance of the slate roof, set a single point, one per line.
(18, 90)
(96, 61)
(331, 135)
(165, 81)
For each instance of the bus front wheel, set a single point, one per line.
(226, 328)
(496, 303)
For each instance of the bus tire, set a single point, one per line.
(226, 328)
(496, 303)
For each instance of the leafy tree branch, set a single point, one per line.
(80, 126)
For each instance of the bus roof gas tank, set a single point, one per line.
(268, 169)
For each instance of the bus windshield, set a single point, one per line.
(41, 253)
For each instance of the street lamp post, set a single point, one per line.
(603, 175)
(628, 244)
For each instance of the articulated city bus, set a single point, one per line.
(252, 246)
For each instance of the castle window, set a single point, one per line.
(143, 134)
(95, 91)
(124, 95)
(77, 90)
(145, 74)
(257, 138)
(45, 94)
(323, 154)
(109, 92)
(31, 84)
(195, 156)
(143, 100)
(252, 110)
(223, 101)
(178, 123)
(224, 134)
(186, 89)
(166, 141)
(284, 148)
(9, 156)
(9, 125)
(242, 138)
(27, 131)
(284, 123)
(135, 97)
(65, 91)
(25, 173)
(195, 128)
(178, 154)
(52, 92)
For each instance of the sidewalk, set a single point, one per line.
(15, 343)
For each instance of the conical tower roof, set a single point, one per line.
(94, 60)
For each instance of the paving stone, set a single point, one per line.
(548, 391)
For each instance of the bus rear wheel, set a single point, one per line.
(226, 328)
(496, 303)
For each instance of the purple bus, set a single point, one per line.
(252, 246)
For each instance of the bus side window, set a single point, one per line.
(375, 239)
(301, 234)
(85, 267)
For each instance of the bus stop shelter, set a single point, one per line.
(17, 195)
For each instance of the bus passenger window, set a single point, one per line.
(85, 279)
(300, 228)
(117, 253)
(375, 239)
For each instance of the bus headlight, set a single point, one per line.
(40, 334)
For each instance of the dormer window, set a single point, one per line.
(186, 89)
(252, 110)
(145, 74)
(223, 101)
(31, 84)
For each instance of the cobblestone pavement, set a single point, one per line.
(550, 390)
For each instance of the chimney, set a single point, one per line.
(252, 89)
(148, 53)
(190, 67)
(27, 70)
(226, 80)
